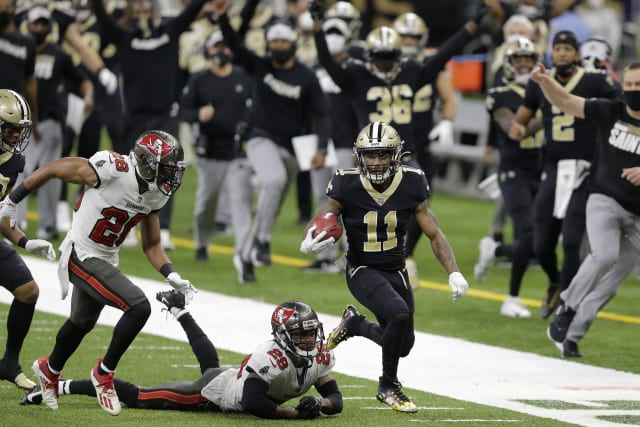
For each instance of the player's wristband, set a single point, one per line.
(19, 193)
(23, 242)
(167, 269)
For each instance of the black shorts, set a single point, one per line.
(15, 272)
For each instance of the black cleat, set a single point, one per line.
(345, 328)
(261, 254)
(201, 254)
(171, 299)
(570, 349)
(390, 393)
(245, 270)
(557, 330)
(32, 397)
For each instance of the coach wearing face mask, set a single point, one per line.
(287, 102)
(216, 100)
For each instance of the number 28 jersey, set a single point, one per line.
(376, 223)
(106, 213)
(272, 364)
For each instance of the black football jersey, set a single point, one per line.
(376, 223)
(17, 59)
(568, 137)
(523, 155)
(618, 147)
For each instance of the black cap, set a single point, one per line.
(565, 37)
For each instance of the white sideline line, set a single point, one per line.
(440, 365)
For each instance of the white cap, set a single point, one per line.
(213, 38)
(38, 12)
(280, 30)
(338, 24)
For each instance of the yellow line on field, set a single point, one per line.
(299, 262)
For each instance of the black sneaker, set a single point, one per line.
(201, 254)
(171, 299)
(32, 397)
(345, 329)
(570, 349)
(12, 372)
(244, 269)
(557, 330)
(261, 254)
(390, 393)
(550, 301)
(322, 266)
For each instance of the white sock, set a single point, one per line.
(63, 387)
(105, 369)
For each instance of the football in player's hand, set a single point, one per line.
(327, 222)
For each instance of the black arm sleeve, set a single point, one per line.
(432, 67)
(246, 14)
(331, 392)
(181, 22)
(243, 56)
(112, 31)
(255, 401)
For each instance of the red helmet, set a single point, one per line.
(159, 160)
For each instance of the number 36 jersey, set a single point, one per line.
(376, 223)
(271, 363)
(106, 213)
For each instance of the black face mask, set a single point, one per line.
(565, 70)
(632, 98)
(6, 18)
(220, 58)
(40, 37)
(282, 56)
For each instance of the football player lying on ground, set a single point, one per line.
(278, 369)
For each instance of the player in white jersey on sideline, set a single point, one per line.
(120, 192)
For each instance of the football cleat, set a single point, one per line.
(261, 254)
(485, 259)
(105, 390)
(570, 349)
(48, 382)
(171, 299)
(557, 330)
(513, 307)
(344, 330)
(32, 397)
(390, 393)
(245, 270)
(13, 372)
(550, 301)
(322, 266)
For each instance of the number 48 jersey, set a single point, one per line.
(106, 213)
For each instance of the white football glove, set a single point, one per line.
(442, 133)
(458, 285)
(8, 209)
(41, 247)
(182, 285)
(108, 80)
(312, 245)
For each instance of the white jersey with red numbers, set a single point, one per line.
(107, 212)
(271, 363)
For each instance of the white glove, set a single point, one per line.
(182, 285)
(108, 80)
(312, 245)
(41, 247)
(458, 285)
(9, 210)
(442, 133)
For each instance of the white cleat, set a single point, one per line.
(105, 391)
(487, 254)
(513, 307)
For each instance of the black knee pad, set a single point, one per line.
(141, 310)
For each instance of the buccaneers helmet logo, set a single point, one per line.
(155, 145)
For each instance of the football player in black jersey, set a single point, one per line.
(559, 206)
(613, 207)
(519, 170)
(15, 128)
(376, 200)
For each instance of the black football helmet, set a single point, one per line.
(15, 122)
(290, 322)
(378, 136)
(159, 160)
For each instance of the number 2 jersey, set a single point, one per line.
(376, 223)
(106, 213)
(271, 363)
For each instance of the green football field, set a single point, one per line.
(611, 342)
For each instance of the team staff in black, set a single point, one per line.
(287, 102)
(376, 200)
(519, 170)
(613, 208)
(53, 68)
(15, 127)
(150, 74)
(216, 100)
(569, 150)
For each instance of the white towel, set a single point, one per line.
(570, 174)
